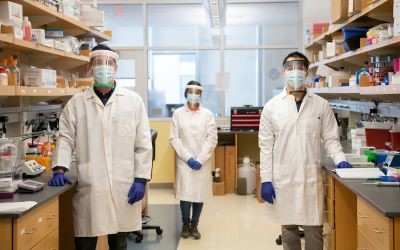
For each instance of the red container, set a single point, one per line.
(395, 140)
(377, 138)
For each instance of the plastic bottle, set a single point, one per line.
(27, 29)
(14, 78)
(3, 77)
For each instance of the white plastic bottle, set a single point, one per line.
(3, 77)
(27, 29)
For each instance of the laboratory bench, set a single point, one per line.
(359, 216)
(43, 226)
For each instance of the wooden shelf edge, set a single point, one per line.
(394, 40)
(7, 90)
(351, 19)
(41, 91)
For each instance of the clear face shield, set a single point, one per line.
(104, 67)
(194, 94)
(295, 74)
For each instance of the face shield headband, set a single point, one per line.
(103, 67)
(295, 65)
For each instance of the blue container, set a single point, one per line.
(380, 156)
(352, 38)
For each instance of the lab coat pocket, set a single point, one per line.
(123, 172)
(84, 175)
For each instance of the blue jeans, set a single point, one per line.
(185, 210)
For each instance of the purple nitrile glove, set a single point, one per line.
(268, 192)
(59, 179)
(344, 164)
(136, 192)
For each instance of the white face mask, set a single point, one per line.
(296, 79)
(193, 98)
(103, 74)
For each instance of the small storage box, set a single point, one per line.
(245, 118)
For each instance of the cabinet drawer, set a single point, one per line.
(329, 212)
(48, 243)
(363, 243)
(376, 227)
(329, 184)
(36, 225)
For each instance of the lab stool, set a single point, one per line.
(279, 239)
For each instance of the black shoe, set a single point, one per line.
(185, 231)
(195, 232)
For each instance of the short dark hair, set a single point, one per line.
(191, 83)
(100, 47)
(299, 55)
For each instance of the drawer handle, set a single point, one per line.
(376, 230)
(32, 231)
(361, 216)
(51, 216)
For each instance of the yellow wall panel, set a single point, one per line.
(164, 164)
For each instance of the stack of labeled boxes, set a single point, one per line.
(225, 160)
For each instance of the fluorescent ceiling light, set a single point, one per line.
(216, 11)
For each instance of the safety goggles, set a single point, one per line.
(295, 65)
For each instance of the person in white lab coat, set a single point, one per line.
(293, 125)
(194, 137)
(108, 128)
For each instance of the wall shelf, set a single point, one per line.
(336, 90)
(381, 90)
(35, 91)
(34, 48)
(371, 10)
(71, 26)
(362, 54)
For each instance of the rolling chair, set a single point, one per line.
(146, 218)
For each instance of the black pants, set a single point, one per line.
(185, 209)
(115, 242)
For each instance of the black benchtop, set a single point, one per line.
(384, 199)
(40, 197)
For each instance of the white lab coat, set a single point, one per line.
(113, 146)
(290, 156)
(193, 134)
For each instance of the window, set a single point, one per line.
(180, 25)
(170, 71)
(126, 23)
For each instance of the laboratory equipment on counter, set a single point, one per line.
(246, 118)
(32, 169)
(10, 172)
(30, 186)
(383, 183)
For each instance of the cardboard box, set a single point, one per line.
(396, 27)
(92, 18)
(363, 42)
(36, 77)
(354, 7)
(10, 11)
(230, 169)
(364, 81)
(38, 35)
(220, 160)
(396, 9)
(258, 185)
(339, 11)
(218, 188)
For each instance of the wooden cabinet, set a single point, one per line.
(329, 212)
(373, 226)
(37, 229)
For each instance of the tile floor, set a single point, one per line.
(229, 222)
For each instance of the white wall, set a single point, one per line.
(315, 11)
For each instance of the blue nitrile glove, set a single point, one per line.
(268, 192)
(136, 192)
(344, 164)
(193, 164)
(59, 179)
